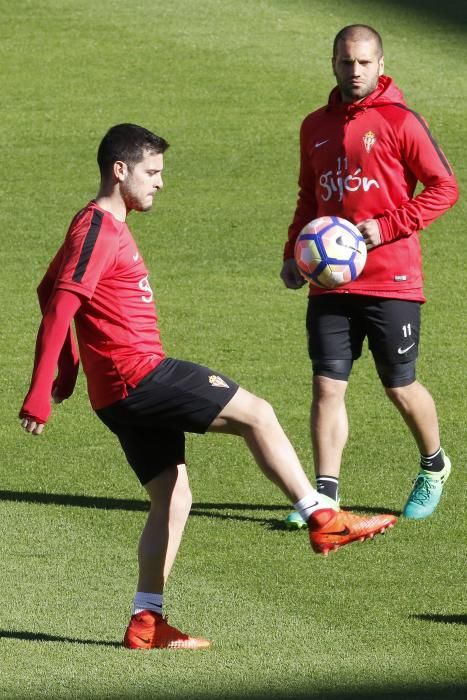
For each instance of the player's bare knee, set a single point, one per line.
(180, 504)
(399, 395)
(261, 415)
(170, 493)
(328, 389)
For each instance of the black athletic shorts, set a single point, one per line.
(151, 422)
(337, 325)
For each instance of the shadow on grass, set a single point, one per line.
(453, 692)
(391, 693)
(41, 637)
(447, 619)
(208, 510)
(427, 692)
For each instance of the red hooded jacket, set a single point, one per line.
(362, 161)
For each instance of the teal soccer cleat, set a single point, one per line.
(426, 492)
(294, 521)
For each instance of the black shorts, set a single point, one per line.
(337, 325)
(151, 422)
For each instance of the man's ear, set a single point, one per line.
(381, 66)
(120, 170)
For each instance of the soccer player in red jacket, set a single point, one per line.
(99, 279)
(361, 157)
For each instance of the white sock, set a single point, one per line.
(147, 601)
(308, 504)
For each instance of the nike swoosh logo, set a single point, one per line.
(321, 143)
(402, 351)
(136, 256)
(343, 532)
(340, 241)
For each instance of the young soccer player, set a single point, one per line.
(99, 279)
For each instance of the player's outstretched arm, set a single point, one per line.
(68, 362)
(51, 337)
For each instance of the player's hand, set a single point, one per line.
(290, 275)
(369, 228)
(31, 426)
(34, 413)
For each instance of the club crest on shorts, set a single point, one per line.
(369, 140)
(215, 380)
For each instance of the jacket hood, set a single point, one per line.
(385, 93)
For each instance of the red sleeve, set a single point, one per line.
(47, 284)
(306, 204)
(51, 337)
(68, 362)
(424, 158)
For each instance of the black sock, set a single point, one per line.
(327, 486)
(432, 463)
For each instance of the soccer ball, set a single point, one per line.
(330, 252)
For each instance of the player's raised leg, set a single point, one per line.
(254, 419)
(170, 502)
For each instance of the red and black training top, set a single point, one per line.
(363, 161)
(113, 308)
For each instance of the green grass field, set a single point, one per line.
(227, 83)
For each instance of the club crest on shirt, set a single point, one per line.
(369, 140)
(214, 380)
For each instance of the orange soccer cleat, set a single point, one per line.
(149, 630)
(330, 529)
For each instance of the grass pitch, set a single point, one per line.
(227, 84)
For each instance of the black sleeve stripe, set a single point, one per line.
(88, 245)
(438, 150)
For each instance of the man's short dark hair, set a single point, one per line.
(128, 143)
(358, 32)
